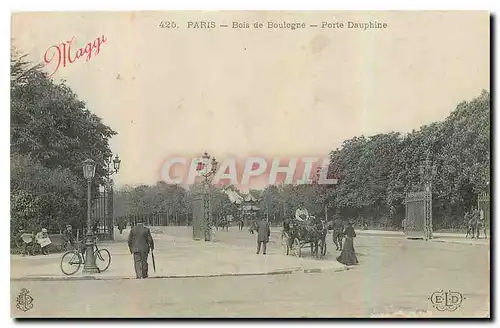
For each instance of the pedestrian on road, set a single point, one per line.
(95, 227)
(121, 225)
(264, 231)
(348, 255)
(68, 237)
(140, 242)
(337, 227)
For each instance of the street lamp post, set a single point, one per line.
(207, 167)
(90, 265)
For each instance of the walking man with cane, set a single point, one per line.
(140, 242)
(264, 231)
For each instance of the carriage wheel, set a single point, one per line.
(296, 248)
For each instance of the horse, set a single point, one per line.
(474, 229)
(320, 231)
(312, 231)
(475, 225)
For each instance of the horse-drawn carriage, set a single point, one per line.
(310, 232)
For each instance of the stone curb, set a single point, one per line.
(278, 272)
(459, 242)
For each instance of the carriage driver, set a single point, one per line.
(301, 213)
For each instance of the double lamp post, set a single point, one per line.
(207, 167)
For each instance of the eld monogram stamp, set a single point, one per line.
(446, 301)
(24, 300)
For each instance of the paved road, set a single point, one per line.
(395, 276)
(178, 255)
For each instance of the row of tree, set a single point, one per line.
(52, 132)
(172, 200)
(374, 174)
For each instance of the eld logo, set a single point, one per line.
(446, 301)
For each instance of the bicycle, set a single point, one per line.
(74, 258)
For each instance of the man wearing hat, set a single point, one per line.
(68, 237)
(264, 231)
(140, 242)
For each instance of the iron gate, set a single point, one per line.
(483, 204)
(102, 212)
(418, 215)
(153, 219)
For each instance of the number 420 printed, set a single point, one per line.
(168, 24)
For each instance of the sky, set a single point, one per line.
(172, 92)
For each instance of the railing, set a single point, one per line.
(154, 219)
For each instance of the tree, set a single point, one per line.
(52, 132)
(375, 173)
(271, 203)
(50, 123)
(42, 197)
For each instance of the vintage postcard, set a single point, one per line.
(250, 164)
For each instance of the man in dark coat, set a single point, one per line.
(264, 231)
(140, 242)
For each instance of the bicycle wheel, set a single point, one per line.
(102, 259)
(70, 263)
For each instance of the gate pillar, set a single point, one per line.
(198, 216)
(418, 215)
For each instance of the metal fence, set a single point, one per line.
(102, 211)
(483, 204)
(153, 219)
(418, 216)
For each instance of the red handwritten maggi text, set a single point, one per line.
(63, 54)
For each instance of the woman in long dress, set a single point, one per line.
(348, 255)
